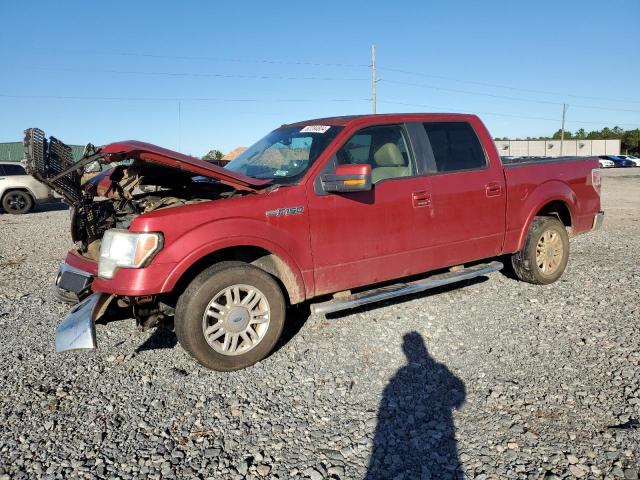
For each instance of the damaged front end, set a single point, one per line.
(135, 178)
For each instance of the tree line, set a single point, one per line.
(630, 139)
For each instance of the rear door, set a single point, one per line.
(361, 238)
(468, 199)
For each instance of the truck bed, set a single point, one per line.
(519, 161)
(532, 183)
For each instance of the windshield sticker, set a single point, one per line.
(280, 173)
(315, 129)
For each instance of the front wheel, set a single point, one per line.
(230, 316)
(545, 254)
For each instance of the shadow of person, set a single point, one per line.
(415, 435)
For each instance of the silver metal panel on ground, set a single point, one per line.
(597, 221)
(77, 331)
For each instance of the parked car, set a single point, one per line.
(19, 192)
(315, 208)
(604, 163)
(618, 161)
(632, 158)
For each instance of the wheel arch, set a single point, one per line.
(20, 189)
(558, 209)
(276, 264)
(552, 198)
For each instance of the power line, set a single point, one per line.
(288, 78)
(224, 59)
(185, 99)
(506, 97)
(285, 100)
(193, 74)
(508, 115)
(351, 65)
(508, 87)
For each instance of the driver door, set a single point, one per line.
(360, 238)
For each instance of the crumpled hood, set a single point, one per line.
(114, 152)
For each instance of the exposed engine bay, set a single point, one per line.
(135, 178)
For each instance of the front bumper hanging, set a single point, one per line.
(78, 330)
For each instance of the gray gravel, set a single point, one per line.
(497, 379)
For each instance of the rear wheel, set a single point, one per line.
(17, 202)
(545, 254)
(230, 316)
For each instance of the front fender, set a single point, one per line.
(223, 233)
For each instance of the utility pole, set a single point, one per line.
(179, 123)
(373, 77)
(564, 111)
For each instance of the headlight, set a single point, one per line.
(121, 248)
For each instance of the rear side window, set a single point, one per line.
(13, 170)
(455, 146)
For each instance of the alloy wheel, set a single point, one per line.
(15, 202)
(549, 252)
(236, 319)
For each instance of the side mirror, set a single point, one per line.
(348, 178)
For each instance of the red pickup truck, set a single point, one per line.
(361, 207)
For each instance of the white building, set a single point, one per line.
(551, 148)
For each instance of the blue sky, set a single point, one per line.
(195, 75)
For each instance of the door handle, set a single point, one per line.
(493, 189)
(421, 199)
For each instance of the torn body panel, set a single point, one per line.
(139, 178)
(77, 331)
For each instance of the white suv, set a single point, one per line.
(19, 192)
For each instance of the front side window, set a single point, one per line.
(14, 170)
(384, 147)
(286, 154)
(455, 146)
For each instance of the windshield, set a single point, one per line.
(285, 154)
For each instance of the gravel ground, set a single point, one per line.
(496, 379)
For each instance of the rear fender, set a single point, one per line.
(543, 194)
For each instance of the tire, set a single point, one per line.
(17, 202)
(197, 311)
(545, 254)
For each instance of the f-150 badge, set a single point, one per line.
(284, 211)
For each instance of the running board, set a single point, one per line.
(400, 289)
